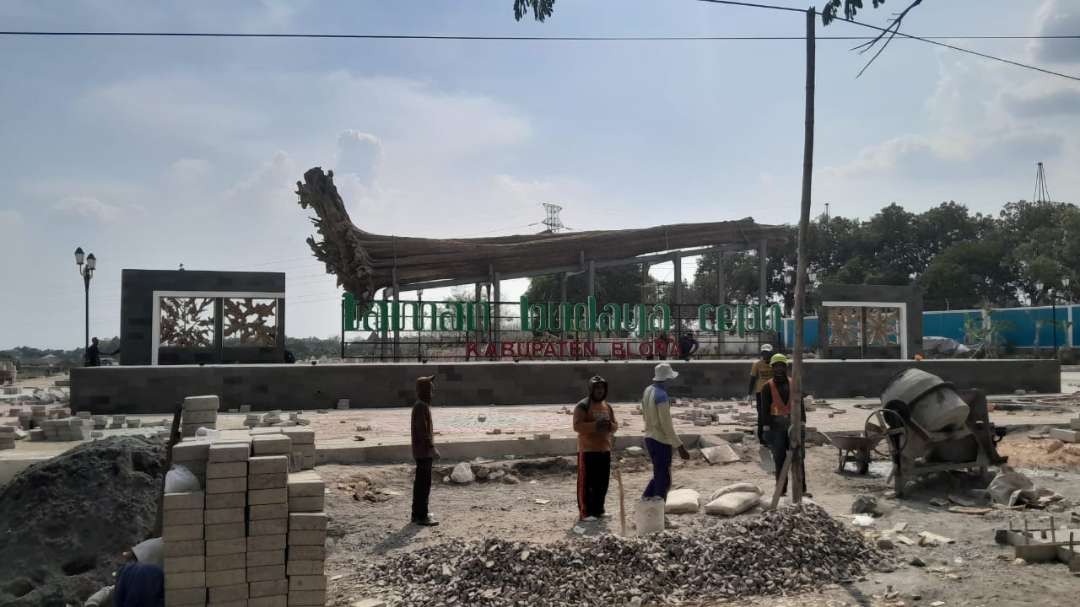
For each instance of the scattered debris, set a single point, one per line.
(927, 538)
(462, 474)
(865, 504)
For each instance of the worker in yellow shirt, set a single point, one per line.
(760, 374)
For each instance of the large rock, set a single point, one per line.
(462, 474)
(682, 501)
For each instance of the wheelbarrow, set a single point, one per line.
(854, 446)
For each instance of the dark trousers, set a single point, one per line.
(594, 471)
(421, 489)
(660, 454)
(779, 442)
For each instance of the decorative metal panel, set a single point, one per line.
(249, 322)
(187, 322)
(882, 326)
(845, 326)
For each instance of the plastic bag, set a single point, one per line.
(462, 474)
(181, 480)
(150, 552)
(649, 516)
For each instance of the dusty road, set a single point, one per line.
(541, 508)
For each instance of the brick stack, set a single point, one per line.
(7, 437)
(307, 540)
(38, 413)
(268, 525)
(184, 548)
(192, 455)
(199, 412)
(226, 531)
(302, 456)
(65, 429)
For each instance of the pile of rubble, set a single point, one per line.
(778, 552)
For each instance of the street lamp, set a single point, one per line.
(86, 265)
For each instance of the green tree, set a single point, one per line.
(620, 284)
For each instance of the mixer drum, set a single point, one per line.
(933, 403)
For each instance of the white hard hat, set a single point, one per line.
(766, 347)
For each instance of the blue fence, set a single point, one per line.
(1017, 325)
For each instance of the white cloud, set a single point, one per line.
(189, 171)
(359, 154)
(270, 186)
(1047, 103)
(1054, 18)
(88, 207)
(10, 219)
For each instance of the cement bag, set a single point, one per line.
(462, 474)
(731, 504)
(181, 480)
(683, 501)
(649, 516)
(1008, 486)
(940, 410)
(150, 552)
(736, 488)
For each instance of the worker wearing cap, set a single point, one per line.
(760, 374)
(660, 436)
(423, 449)
(774, 415)
(594, 422)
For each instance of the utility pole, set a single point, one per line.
(1042, 193)
(796, 452)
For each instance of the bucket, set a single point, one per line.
(649, 516)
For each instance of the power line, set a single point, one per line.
(468, 38)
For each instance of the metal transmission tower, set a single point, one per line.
(552, 221)
(1042, 194)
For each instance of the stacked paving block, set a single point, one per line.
(7, 437)
(268, 525)
(199, 412)
(118, 422)
(307, 540)
(100, 421)
(302, 455)
(184, 549)
(65, 429)
(193, 456)
(38, 413)
(1067, 435)
(225, 522)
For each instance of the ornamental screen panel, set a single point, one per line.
(845, 327)
(882, 326)
(249, 322)
(187, 322)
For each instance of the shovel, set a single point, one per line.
(765, 458)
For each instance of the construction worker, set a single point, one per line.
(774, 416)
(594, 422)
(660, 436)
(760, 373)
(424, 451)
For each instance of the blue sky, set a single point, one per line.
(155, 152)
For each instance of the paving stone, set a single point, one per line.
(271, 444)
(258, 513)
(225, 531)
(307, 553)
(180, 533)
(208, 402)
(268, 588)
(185, 597)
(277, 480)
(1064, 435)
(226, 561)
(261, 543)
(224, 515)
(304, 567)
(307, 582)
(267, 573)
(259, 497)
(184, 548)
(280, 600)
(183, 517)
(184, 501)
(226, 470)
(262, 558)
(227, 577)
(192, 579)
(226, 500)
(306, 504)
(268, 464)
(307, 521)
(229, 592)
(222, 547)
(229, 452)
(187, 451)
(300, 436)
(198, 417)
(307, 597)
(184, 564)
(307, 538)
(240, 603)
(226, 485)
(273, 526)
(306, 484)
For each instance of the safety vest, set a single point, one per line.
(779, 408)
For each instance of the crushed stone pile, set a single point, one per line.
(64, 523)
(781, 551)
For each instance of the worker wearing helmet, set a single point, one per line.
(594, 422)
(774, 415)
(760, 373)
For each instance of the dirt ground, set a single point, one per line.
(542, 508)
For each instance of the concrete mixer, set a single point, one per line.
(929, 426)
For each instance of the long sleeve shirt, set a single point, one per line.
(765, 416)
(586, 414)
(656, 410)
(423, 433)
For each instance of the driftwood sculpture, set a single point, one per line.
(365, 262)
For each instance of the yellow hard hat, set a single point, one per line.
(778, 358)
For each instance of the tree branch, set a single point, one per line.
(891, 30)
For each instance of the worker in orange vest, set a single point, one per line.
(774, 416)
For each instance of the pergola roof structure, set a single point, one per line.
(364, 262)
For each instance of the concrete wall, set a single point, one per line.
(158, 389)
(909, 295)
(137, 314)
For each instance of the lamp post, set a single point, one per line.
(86, 265)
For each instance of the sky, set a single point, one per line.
(154, 152)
